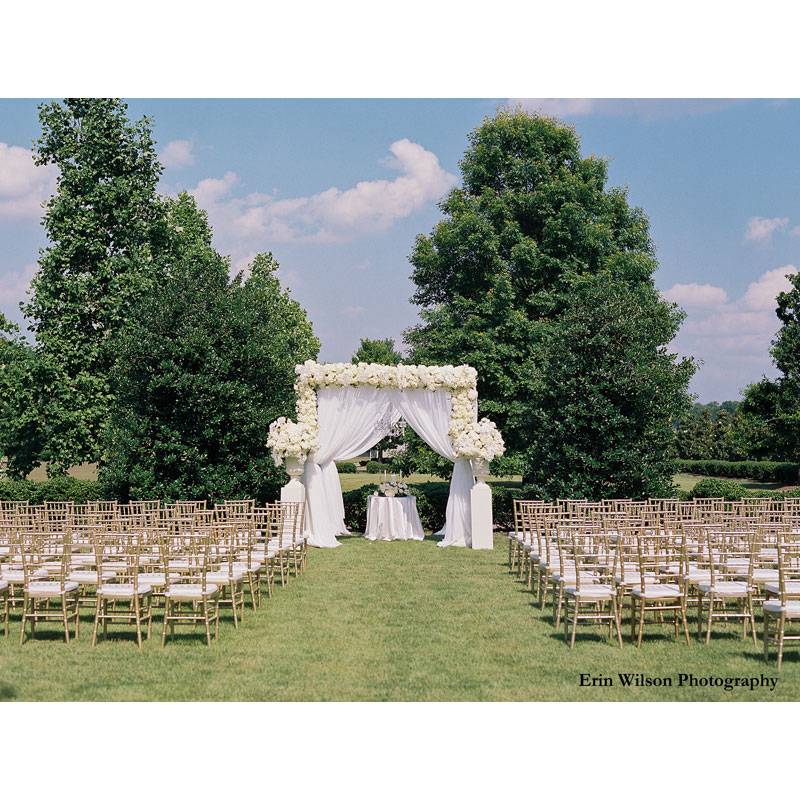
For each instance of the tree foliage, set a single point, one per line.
(776, 403)
(102, 227)
(203, 365)
(22, 378)
(377, 351)
(540, 277)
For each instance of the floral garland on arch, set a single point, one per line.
(470, 438)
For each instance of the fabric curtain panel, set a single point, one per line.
(428, 413)
(351, 421)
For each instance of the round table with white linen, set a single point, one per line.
(390, 518)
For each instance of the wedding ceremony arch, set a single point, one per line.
(344, 409)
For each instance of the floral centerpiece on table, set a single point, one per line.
(479, 440)
(289, 439)
(393, 488)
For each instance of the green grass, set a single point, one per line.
(87, 472)
(380, 621)
(686, 481)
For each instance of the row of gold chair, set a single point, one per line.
(659, 559)
(123, 560)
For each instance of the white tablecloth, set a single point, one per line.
(390, 518)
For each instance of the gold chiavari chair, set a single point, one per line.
(591, 598)
(189, 598)
(6, 601)
(225, 571)
(571, 534)
(263, 525)
(45, 561)
(783, 605)
(728, 556)
(129, 598)
(661, 583)
(294, 536)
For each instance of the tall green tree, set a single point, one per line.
(103, 227)
(377, 351)
(22, 376)
(534, 270)
(776, 403)
(204, 365)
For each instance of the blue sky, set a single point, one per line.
(339, 189)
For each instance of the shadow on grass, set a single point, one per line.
(7, 691)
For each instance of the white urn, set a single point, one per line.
(480, 469)
(294, 467)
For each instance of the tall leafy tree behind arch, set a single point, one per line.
(204, 364)
(102, 224)
(541, 277)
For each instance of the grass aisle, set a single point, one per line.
(381, 621)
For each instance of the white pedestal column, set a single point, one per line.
(294, 491)
(480, 497)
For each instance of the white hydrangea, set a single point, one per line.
(289, 439)
(479, 440)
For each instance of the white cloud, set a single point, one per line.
(558, 107)
(731, 337)
(645, 108)
(696, 295)
(760, 229)
(761, 294)
(23, 185)
(177, 154)
(331, 215)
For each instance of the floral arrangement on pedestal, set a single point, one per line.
(460, 382)
(479, 440)
(289, 439)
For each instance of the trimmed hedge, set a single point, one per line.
(765, 471)
(733, 490)
(374, 467)
(61, 488)
(346, 466)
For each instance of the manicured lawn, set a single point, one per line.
(686, 481)
(381, 621)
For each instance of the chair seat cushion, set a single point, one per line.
(792, 587)
(18, 575)
(568, 577)
(122, 590)
(223, 576)
(157, 578)
(658, 591)
(89, 576)
(50, 588)
(594, 591)
(762, 574)
(791, 608)
(725, 588)
(191, 591)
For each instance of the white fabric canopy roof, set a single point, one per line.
(353, 419)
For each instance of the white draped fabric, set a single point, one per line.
(353, 419)
(428, 413)
(391, 519)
